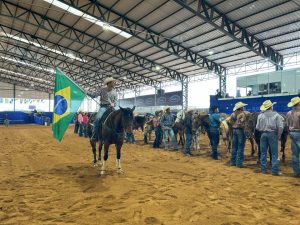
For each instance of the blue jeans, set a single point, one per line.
(81, 129)
(269, 140)
(158, 137)
(168, 132)
(238, 146)
(188, 142)
(100, 113)
(215, 138)
(295, 137)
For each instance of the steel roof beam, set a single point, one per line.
(69, 32)
(147, 35)
(221, 22)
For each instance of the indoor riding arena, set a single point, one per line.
(149, 112)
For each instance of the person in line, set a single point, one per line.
(214, 130)
(188, 124)
(80, 121)
(238, 119)
(108, 99)
(76, 127)
(167, 122)
(157, 129)
(293, 123)
(270, 124)
(85, 124)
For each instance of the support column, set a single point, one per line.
(14, 97)
(280, 66)
(222, 83)
(49, 102)
(185, 92)
(155, 89)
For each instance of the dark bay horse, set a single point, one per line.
(112, 131)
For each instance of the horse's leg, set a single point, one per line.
(283, 142)
(118, 159)
(93, 144)
(99, 151)
(252, 146)
(103, 168)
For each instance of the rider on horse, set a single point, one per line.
(108, 99)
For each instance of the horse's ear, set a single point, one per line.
(133, 108)
(121, 108)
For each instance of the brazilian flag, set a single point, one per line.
(67, 99)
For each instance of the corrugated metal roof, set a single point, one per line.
(275, 22)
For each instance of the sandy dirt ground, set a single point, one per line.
(46, 182)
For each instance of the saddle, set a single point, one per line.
(103, 118)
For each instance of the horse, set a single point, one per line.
(113, 125)
(200, 125)
(178, 126)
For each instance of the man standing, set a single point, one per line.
(214, 124)
(188, 129)
(293, 122)
(270, 124)
(238, 119)
(167, 122)
(108, 98)
(157, 129)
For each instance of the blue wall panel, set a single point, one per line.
(24, 118)
(254, 103)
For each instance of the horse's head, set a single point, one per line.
(200, 121)
(127, 118)
(180, 116)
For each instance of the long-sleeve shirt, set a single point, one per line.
(293, 120)
(270, 121)
(155, 121)
(80, 118)
(85, 119)
(237, 119)
(107, 97)
(167, 120)
(188, 124)
(214, 120)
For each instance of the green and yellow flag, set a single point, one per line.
(67, 99)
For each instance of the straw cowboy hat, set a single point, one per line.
(294, 101)
(108, 79)
(266, 105)
(239, 105)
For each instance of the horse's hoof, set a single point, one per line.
(94, 164)
(102, 172)
(120, 171)
(99, 163)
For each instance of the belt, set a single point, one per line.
(104, 105)
(268, 131)
(295, 131)
(238, 128)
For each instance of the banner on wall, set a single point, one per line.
(168, 99)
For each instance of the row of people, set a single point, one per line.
(270, 124)
(81, 123)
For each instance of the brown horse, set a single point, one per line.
(200, 125)
(112, 131)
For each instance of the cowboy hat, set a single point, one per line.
(190, 110)
(239, 105)
(108, 79)
(294, 101)
(266, 105)
(167, 108)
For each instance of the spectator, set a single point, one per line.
(293, 122)
(214, 122)
(188, 123)
(157, 129)
(85, 124)
(76, 127)
(167, 122)
(238, 119)
(270, 124)
(80, 121)
(249, 93)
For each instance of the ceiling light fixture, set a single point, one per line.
(87, 17)
(157, 68)
(210, 52)
(26, 76)
(27, 64)
(69, 55)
